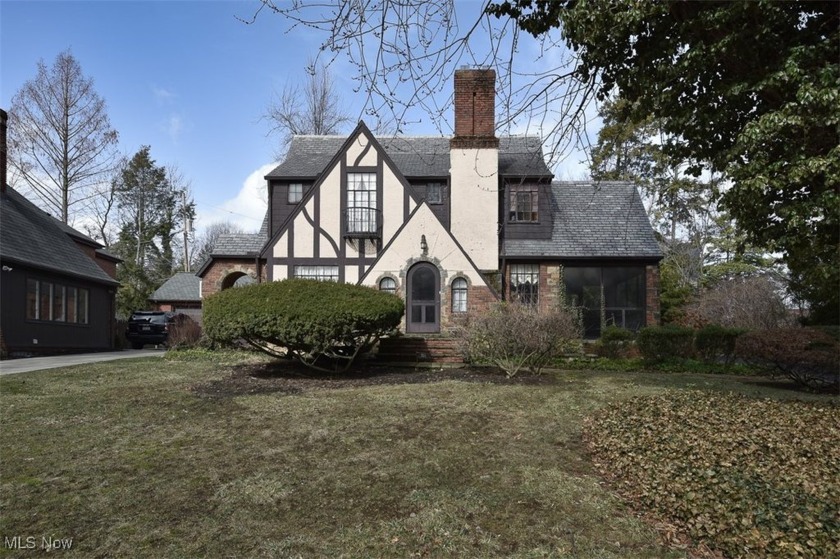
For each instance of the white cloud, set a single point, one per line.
(174, 126)
(163, 95)
(247, 208)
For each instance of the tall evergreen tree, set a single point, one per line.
(151, 211)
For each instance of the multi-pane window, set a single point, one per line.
(82, 307)
(56, 302)
(295, 193)
(320, 273)
(388, 285)
(459, 295)
(524, 202)
(361, 203)
(617, 293)
(525, 283)
(434, 193)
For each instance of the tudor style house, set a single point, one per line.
(450, 224)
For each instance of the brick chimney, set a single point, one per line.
(475, 108)
(3, 151)
(474, 167)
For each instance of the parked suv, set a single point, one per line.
(148, 327)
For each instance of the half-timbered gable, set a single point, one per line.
(423, 250)
(352, 209)
(454, 224)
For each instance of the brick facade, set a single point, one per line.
(552, 289)
(224, 271)
(475, 109)
(479, 301)
(108, 265)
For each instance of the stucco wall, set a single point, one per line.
(475, 204)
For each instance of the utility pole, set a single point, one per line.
(187, 229)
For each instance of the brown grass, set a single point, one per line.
(129, 460)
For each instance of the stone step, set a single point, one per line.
(415, 349)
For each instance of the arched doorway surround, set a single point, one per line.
(423, 298)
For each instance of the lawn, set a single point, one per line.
(191, 456)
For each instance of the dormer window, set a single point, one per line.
(524, 203)
(434, 193)
(295, 193)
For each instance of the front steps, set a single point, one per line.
(419, 350)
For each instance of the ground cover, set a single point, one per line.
(207, 454)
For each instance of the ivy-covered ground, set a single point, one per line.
(224, 455)
(749, 477)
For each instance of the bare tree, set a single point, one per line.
(205, 242)
(405, 52)
(102, 223)
(61, 143)
(314, 108)
(180, 237)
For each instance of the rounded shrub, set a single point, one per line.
(714, 342)
(312, 321)
(615, 341)
(660, 343)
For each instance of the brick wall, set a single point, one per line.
(475, 109)
(221, 268)
(107, 265)
(479, 301)
(552, 288)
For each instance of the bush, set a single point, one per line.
(615, 342)
(184, 333)
(514, 336)
(317, 323)
(752, 303)
(808, 356)
(714, 343)
(660, 343)
(118, 334)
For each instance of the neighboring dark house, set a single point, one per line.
(181, 293)
(55, 292)
(57, 285)
(452, 225)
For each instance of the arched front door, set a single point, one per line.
(423, 299)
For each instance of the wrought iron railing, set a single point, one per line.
(362, 222)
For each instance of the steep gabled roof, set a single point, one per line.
(592, 220)
(334, 160)
(414, 156)
(183, 286)
(238, 244)
(31, 237)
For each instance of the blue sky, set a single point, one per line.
(186, 77)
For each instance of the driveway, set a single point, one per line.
(12, 366)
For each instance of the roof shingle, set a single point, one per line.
(414, 156)
(593, 220)
(31, 237)
(183, 286)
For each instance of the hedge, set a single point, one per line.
(660, 343)
(714, 343)
(314, 322)
(808, 356)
